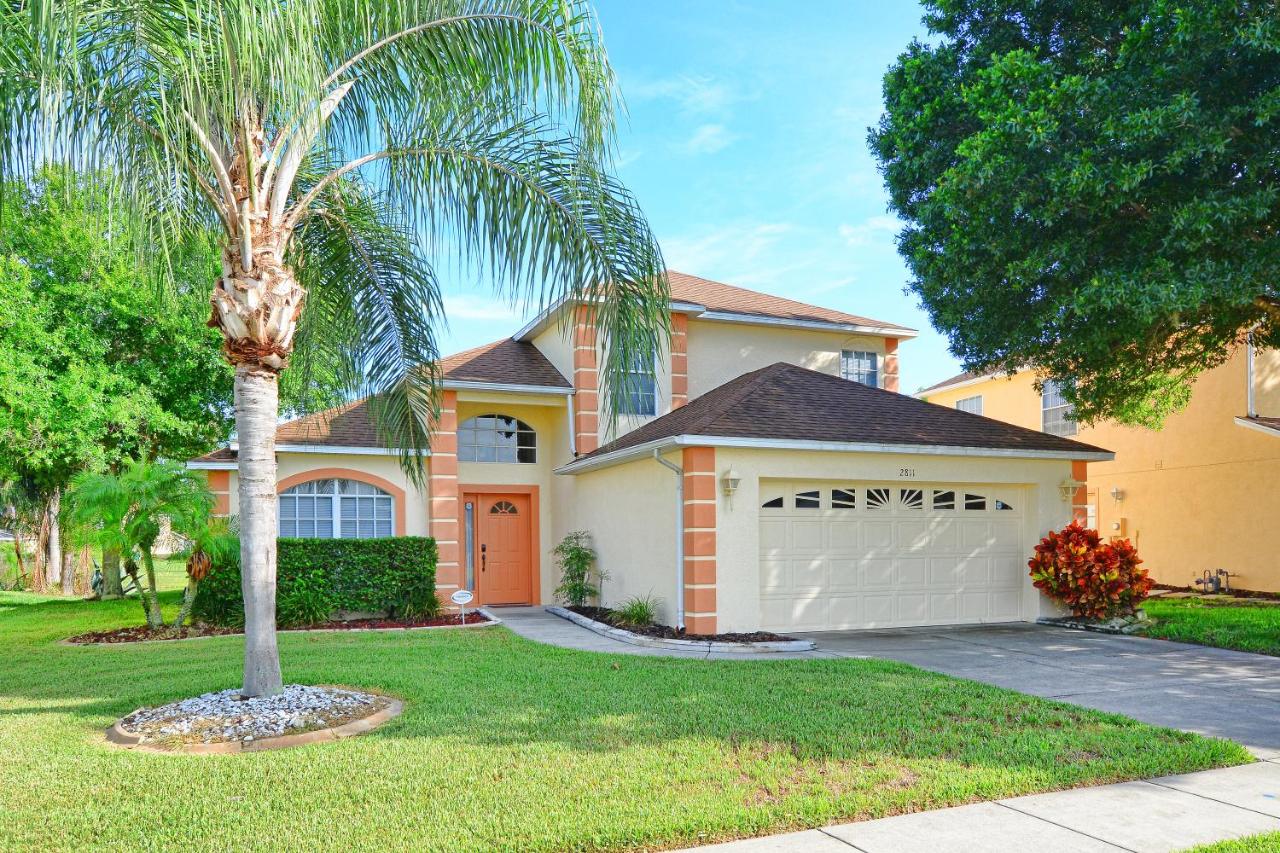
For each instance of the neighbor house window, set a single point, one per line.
(639, 388)
(972, 405)
(860, 366)
(496, 438)
(336, 509)
(1056, 412)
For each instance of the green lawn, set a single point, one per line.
(1268, 843)
(1225, 622)
(510, 744)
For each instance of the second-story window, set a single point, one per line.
(860, 366)
(1056, 412)
(639, 388)
(972, 405)
(496, 438)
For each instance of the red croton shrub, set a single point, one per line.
(1096, 579)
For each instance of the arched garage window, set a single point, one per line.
(496, 438)
(336, 509)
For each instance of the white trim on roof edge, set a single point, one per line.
(951, 386)
(536, 326)
(509, 388)
(661, 444)
(1250, 423)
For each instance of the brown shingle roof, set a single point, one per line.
(717, 296)
(222, 454)
(345, 426)
(1272, 424)
(784, 401)
(506, 361)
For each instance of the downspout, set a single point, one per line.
(573, 428)
(679, 472)
(1248, 372)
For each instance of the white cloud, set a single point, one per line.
(696, 95)
(737, 248)
(467, 307)
(708, 139)
(876, 231)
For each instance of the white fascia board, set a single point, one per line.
(1254, 425)
(339, 450)
(951, 386)
(464, 385)
(535, 326)
(196, 465)
(646, 449)
(819, 325)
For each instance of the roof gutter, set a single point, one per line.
(679, 472)
(591, 463)
(818, 325)
(507, 388)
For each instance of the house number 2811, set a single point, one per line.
(906, 472)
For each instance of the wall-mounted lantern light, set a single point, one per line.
(729, 481)
(1067, 488)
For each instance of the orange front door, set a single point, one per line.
(503, 549)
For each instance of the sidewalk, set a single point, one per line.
(1158, 815)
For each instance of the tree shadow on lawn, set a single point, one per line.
(488, 689)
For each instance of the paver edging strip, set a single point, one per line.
(117, 736)
(493, 620)
(634, 639)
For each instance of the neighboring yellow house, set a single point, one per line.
(765, 473)
(1198, 494)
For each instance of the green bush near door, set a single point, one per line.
(315, 577)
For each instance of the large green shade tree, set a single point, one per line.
(1092, 189)
(325, 142)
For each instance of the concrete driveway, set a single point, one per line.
(1216, 692)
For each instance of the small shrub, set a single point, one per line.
(575, 556)
(638, 611)
(1096, 580)
(315, 577)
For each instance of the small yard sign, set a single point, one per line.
(462, 598)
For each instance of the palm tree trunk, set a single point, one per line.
(257, 409)
(111, 586)
(68, 573)
(53, 556)
(188, 600)
(150, 598)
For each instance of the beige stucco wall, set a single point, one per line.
(721, 351)
(386, 467)
(629, 510)
(1033, 482)
(1194, 495)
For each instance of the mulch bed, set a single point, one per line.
(140, 633)
(1234, 593)
(666, 632)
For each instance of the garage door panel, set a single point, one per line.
(912, 571)
(845, 575)
(889, 555)
(843, 536)
(807, 536)
(809, 575)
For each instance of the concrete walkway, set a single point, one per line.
(1156, 816)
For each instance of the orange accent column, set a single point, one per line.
(443, 485)
(1080, 500)
(220, 485)
(890, 364)
(586, 384)
(679, 360)
(699, 465)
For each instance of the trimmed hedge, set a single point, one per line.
(315, 577)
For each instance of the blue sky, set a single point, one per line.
(745, 142)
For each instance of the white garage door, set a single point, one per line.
(870, 555)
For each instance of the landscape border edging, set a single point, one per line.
(622, 635)
(117, 736)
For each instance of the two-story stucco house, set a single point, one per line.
(1193, 496)
(764, 473)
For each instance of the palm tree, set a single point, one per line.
(128, 510)
(330, 143)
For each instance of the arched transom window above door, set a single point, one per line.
(336, 509)
(496, 438)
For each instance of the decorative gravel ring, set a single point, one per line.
(117, 735)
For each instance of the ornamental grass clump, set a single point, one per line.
(1095, 579)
